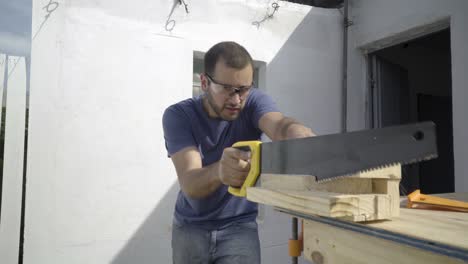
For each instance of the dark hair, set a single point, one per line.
(234, 55)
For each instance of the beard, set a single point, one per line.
(220, 111)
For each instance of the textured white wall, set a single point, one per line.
(100, 187)
(375, 22)
(97, 168)
(305, 75)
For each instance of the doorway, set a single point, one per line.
(411, 82)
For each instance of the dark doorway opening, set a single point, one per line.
(411, 82)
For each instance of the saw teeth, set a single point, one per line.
(334, 178)
(429, 157)
(368, 170)
(383, 166)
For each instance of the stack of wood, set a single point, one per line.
(365, 196)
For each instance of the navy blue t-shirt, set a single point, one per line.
(187, 124)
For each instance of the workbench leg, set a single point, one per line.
(294, 237)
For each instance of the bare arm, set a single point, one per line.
(198, 182)
(279, 127)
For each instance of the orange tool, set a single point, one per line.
(422, 201)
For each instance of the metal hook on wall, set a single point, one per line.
(170, 23)
(267, 16)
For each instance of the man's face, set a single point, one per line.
(226, 91)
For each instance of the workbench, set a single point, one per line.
(416, 236)
(387, 232)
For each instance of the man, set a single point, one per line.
(211, 225)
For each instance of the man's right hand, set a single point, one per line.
(234, 166)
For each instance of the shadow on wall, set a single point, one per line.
(304, 78)
(305, 75)
(151, 243)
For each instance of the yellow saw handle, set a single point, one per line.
(254, 172)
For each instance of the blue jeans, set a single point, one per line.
(237, 243)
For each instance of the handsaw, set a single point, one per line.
(339, 155)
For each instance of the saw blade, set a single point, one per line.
(338, 155)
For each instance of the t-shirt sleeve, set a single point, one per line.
(261, 104)
(177, 130)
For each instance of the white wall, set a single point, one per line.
(97, 169)
(100, 187)
(305, 75)
(378, 23)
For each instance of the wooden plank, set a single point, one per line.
(296, 192)
(342, 185)
(392, 188)
(325, 244)
(365, 182)
(359, 207)
(450, 228)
